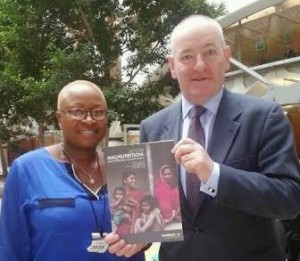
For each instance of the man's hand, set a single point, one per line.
(194, 158)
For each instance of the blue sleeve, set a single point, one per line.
(14, 232)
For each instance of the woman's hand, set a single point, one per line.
(119, 247)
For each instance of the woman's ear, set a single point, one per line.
(58, 118)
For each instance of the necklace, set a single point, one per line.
(90, 175)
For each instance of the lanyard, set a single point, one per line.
(99, 227)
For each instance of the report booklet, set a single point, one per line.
(143, 192)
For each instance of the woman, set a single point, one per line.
(133, 196)
(55, 204)
(167, 195)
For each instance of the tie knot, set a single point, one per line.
(197, 111)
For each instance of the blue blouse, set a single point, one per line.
(47, 215)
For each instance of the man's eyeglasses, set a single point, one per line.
(81, 114)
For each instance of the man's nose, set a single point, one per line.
(200, 63)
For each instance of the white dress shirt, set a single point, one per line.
(207, 120)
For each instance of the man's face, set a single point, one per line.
(85, 133)
(199, 63)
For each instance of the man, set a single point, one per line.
(246, 165)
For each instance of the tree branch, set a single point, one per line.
(87, 24)
(139, 69)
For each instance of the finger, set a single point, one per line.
(128, 250)
(134, 250)
(186, 157)
(124, 250)
(180, 143)
(116, 247)
(182, 152)
(188, 165)
(178, 156)
(111, 238)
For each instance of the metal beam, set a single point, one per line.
(238, 16)
(247, 11)
(288, 18)
(251, 72)
(288, 61)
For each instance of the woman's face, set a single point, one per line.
(167, 175)
(130, 181)
(86, 133)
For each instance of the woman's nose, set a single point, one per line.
(89, 116)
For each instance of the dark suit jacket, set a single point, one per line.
(259, 182)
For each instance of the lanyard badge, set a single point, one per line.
(98, 244)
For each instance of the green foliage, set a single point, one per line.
(46, 44)
(132, 105)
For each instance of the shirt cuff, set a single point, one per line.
(210, 187)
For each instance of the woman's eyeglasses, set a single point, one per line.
(81, 114)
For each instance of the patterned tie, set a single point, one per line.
(196, 133)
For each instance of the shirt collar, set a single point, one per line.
(211, 105)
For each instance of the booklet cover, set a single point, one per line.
(143, 192)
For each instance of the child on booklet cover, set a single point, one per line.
(121, 211)
(151, 219)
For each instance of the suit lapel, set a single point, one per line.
(173, 124)
(224, 131)
(225, 127)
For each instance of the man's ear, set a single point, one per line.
(171, 66)
(227, 55)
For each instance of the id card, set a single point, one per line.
(98, 245)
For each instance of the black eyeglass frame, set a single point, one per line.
(84, 113)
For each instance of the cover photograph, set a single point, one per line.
(143, 191)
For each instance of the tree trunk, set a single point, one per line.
(41, 135)
(3, 161)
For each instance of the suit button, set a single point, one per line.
(230, 203)
(197, 230)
